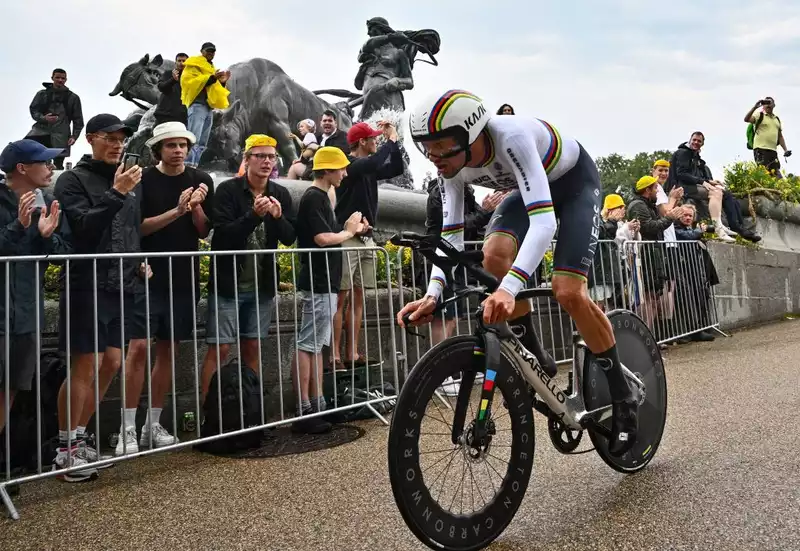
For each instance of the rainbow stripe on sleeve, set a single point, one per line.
(539, 207)
(520, 274)
(553, 153)
(452, 229)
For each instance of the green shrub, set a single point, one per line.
(745, 179)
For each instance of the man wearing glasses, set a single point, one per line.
(99, 199)
(249, 213)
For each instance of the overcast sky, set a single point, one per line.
(619, 75)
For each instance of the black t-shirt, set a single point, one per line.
(359, 189)
(314, 216)
(160, 193)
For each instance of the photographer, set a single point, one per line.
(767, 135)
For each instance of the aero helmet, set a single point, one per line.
(456, 113)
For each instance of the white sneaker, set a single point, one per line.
(90, 455)
(450, 387)
(129, 439)
(71, 458)
(722, 236)
(161, 437)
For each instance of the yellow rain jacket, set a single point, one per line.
(195, 74)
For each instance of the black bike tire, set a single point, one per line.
(600, 443)
(414, 390)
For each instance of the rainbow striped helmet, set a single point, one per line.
(455, 113)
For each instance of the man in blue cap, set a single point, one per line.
(29, 225)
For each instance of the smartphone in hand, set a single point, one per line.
(129, 161)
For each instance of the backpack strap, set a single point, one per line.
(759, 121)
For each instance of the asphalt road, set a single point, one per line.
(727, 476)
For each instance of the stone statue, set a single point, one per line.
(264, 99)
(387, 59)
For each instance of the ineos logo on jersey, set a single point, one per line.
(475, 117)
(519, 167)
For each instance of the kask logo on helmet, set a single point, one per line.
(474, 117)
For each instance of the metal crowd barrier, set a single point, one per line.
(684, 303)
(360, 387)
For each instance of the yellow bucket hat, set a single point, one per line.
(259, 140)
(613, 201)
(661, 162)
(330, 158)
(645, 182)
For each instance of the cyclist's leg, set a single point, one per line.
(578, 202)
(505, 231)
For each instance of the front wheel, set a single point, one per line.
(639, 352)
(424, 448)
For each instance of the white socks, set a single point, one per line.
(153, 418)
(128, 418)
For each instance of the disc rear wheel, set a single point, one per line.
(639, 352)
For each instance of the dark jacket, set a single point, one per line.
(234, 221)
(102, 220)
(15, 240)
(67, 105)
(337, 139)
(359, 189)
(687, 169)
(170, 107)
(606, 267)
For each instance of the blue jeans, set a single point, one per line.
(200, 120)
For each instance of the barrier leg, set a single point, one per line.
(720, 331)
(380, 417)
(12, 511)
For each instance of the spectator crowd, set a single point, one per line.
(111, 310)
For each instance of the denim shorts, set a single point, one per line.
(316, 323)
(248, 317)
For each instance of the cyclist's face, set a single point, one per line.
(446, 154)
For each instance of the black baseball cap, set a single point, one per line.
(106, 122)
(26, 152)
(208, 46)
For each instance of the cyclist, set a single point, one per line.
(553, 177)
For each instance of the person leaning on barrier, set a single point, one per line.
(607, 278)
(359, 193)
(250, 213)
(697, 272)
(319, 281)
(25, 229)
(176, 211)
(101, 203)
(652, 225)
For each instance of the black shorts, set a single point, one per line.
(577, 199)
(183, 312)
(82, 320)
(22, 366)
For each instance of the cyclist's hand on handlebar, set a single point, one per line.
(498, 307)
(418, 312)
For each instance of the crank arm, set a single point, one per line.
(591, 425)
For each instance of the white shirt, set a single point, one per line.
(662, 199)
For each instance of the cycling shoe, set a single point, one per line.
(624, 426)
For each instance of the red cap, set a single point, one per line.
(361, 130)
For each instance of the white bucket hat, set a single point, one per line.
(168, 130)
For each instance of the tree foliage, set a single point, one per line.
(618, 174)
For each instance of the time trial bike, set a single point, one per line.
(490, 442)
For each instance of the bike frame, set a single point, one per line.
(570, 410)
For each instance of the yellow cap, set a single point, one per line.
(645, 182)
(661, 162)
(330, 158)
(613, 201)
(259, 140)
